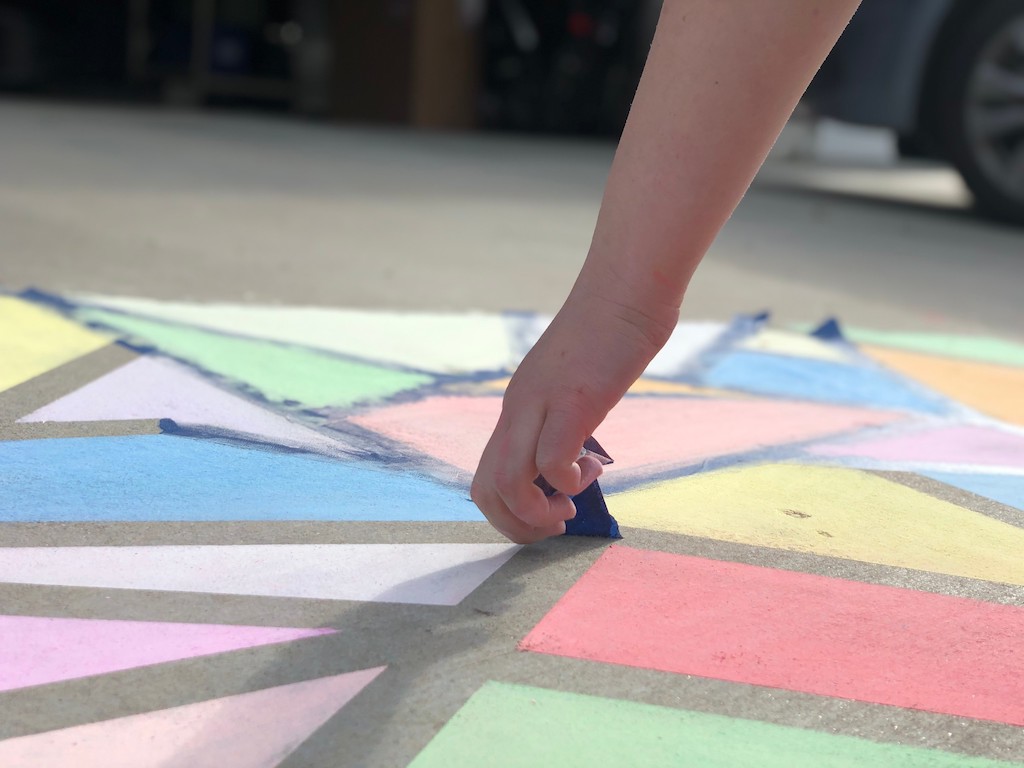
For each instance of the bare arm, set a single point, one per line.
(721, 80)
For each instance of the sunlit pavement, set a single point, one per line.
(236, 207)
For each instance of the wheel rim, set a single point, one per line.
(995, 110)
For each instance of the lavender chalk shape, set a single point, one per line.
(158, 388)
(40, 649)
(963, 445)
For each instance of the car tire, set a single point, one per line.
(978, 113)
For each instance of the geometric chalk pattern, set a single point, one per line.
(426, 574)
(68, 479)
(158, 388)
(654, 434)
(842, 638)
(861, 517)
(971, 446)
(822, 559)
(489, 730)
(249, 730)
(280, 373)
(96, 647)
(35, 340)
(817, 380)
(991, 388)
(1006, 489)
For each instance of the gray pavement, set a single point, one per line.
(179, 205)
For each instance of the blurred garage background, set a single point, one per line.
(945, 76)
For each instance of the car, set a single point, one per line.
(948, 77)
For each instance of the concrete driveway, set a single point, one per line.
(231, 207)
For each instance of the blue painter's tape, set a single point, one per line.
(592, 515)
(164, 478)
(819, 380)
(829, 331)
(1006, 489)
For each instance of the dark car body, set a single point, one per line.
(948, 77)
(878, 72)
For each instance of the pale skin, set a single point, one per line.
(722, 78)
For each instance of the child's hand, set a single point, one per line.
(563, 390)
(689, 150)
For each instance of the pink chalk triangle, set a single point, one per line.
(39, 650)
(250, 730)
(646, 435)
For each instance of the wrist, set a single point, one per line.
(649, 307)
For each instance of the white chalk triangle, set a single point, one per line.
(428, 341)
(426, 574)
(687, 342)
(249, 730)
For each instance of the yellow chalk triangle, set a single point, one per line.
(778, 342)
(642, 386)
(34, 340)
(829, 511)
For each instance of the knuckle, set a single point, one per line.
(573, 405)
(560, 475)
(538, 515)
(550, 467)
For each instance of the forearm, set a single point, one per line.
(722, 78)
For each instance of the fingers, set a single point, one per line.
(506, 523)
(509, 457)
(590, 470)
(528, 503)
(558, 454)
(561, 508)
(504, 486)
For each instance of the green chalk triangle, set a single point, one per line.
(281, 373)
(984, 349)
(515, 726)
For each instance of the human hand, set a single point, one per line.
(579, 369)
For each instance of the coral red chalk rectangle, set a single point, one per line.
(795, 631)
